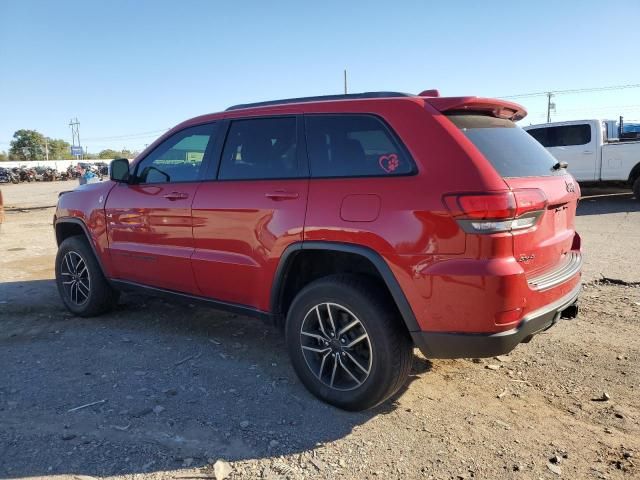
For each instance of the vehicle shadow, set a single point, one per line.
(152, 386)
(597, 201)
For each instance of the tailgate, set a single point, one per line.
(544, 250)
(547, 246)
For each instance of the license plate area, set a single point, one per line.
(560, 219)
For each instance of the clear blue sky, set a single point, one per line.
(132, 67)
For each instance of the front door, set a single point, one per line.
(149, 223)
(245, 219)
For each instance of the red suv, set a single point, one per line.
(362, 224)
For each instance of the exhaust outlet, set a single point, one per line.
(570, 312)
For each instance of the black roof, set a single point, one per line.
(320, 98)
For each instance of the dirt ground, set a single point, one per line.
(177, 387)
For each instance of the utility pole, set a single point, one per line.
(75, 134)
(345, 81)
(549, 106)
(46, 149)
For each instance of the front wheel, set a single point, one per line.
(81, 284)
(636, 188)
(347, 343)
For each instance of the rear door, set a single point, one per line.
(524, 164)
(149, 224)
(244, 219)
(574, 144)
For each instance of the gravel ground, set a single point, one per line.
(176, 387)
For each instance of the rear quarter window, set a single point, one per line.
(354, 145)
(511, 150)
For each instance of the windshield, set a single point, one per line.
(511, 150)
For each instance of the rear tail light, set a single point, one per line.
(497, 212)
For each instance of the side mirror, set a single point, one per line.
(119, 170)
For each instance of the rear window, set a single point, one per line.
(562, 136)
(511, 150)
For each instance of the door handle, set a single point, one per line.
(587, 152)
(281, 195)
(176, 196)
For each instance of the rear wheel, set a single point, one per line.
(636, 188)
(81, 284)
(346, 342)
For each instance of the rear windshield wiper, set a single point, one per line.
(559, 165)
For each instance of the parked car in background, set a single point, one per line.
(363, 225)
(591, 152)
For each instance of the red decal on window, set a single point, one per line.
(389, 163)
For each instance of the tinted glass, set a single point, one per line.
(511, 151)
(177, 159)
(260, 148)
(353, 146)
(541, 135)
(563, 136)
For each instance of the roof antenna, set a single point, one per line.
(345, 81)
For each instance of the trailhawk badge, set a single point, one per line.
(526, 258)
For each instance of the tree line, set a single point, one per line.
(32, 145)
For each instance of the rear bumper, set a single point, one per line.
(466, 345)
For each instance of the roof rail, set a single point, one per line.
(320, 98)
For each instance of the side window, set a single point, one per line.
(179, 158)
(260, 148)
(353, 146)
(541, 135)
(562, 136)
(572, 135)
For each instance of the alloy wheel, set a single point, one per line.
(76, 280)
(336, 346)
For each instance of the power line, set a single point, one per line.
(136, 136)
(130, 135)
(574, 90)
(141, 135)
(592, 109)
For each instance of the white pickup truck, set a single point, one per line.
(590, 151)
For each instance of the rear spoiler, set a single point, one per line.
(495, 107)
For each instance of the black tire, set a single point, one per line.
(92, 294)
(636, 188)
(389, 344)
